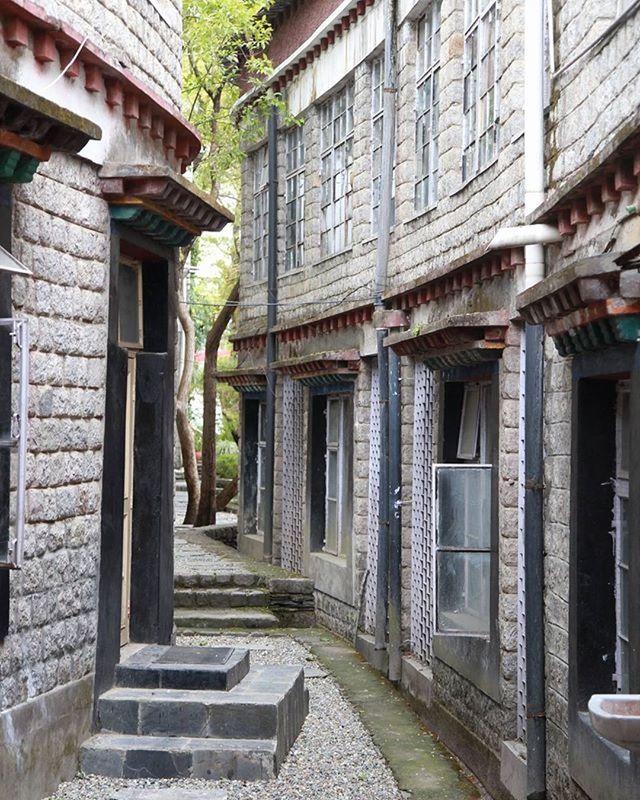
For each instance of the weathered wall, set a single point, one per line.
(144, 35)
(61, 232)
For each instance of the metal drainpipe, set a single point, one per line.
(272, 317)
(382, 260)
(395, 520)
(534, 184)
(534, 563)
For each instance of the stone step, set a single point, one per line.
(114, 755)
(252, 710)
(220, 598)
(214, 618)
(217, 580)
(170, 667)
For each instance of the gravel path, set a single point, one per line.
(333, 758)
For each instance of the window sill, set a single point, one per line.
(254, 284)
(290, 273)
(474, 657)
(475, 175)
(339, 253)
(418, 215)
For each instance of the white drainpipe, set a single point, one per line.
(533, 130)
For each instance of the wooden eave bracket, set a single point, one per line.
(586, 281)
(326, 363)
(252, 379)
(170, 194)
(455, 334)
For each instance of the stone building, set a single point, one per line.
(93, 205)
(509, 317)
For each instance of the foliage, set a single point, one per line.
(224, 40)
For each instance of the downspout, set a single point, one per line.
(533, 421)
(272, 317)
(389, 551)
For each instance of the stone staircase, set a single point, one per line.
(233, 593)
(196, 712)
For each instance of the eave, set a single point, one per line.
(454, 341)
(321, 368)
(161, 203)
(590, 305)
(244, 380)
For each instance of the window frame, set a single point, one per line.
(137, 267)
(427, 75)
(477, 49)
(294, 197)
(17, 442)
(336, 230)
(261, 456)
(260, 213)
(475, 657)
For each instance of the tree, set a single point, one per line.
(224, 41)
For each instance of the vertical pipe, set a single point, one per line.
(382, 262)
(395, 519)
(534, 563)
(272, 318)
(382, 575)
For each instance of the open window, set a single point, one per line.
(14, 380)
(332, 453)
(130, 319)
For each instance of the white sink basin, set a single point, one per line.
(616, 717)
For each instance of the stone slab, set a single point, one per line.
(170, 667)
(169, 794)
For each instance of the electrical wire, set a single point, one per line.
(69, 65)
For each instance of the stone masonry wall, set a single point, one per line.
(61, 232)
(144, 35)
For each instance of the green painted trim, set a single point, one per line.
(250, 387)
(17, 167)
(326, 380)
(464, 358)
(152, 224)
(598, 335)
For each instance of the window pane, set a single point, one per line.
(331, 527)
(469, 422)
(333, 421)
(332, 474)
(463, 581)
(129, 304)
(463, 496)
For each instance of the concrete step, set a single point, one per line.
(170, 667)
(214, 618)
(222, 579)
(252, 710)
(220, 598)
(116, 755)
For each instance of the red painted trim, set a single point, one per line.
(27, 24)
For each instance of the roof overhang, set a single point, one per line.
(9, 263)
(160, 203)
(244, 380)
(453, 341)
(589, 305)
(321, 368)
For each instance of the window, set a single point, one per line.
(336, 119)
(294, 199)
(331, 474)
(130, 330)
(260, 214)
(620, 536)
(480, 101)
(463, 514)
(14, 379)
(261, 464)
(427, 107)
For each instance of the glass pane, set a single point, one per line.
(6, 371)
(128, 304)
(331, 527)
(463, 586)
(469, 422)
(332, 474)
(463, 496)
(333, 421)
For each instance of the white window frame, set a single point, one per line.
(337, 447)
(438, 549)
(260, 177)
(377, 127)
(294, 198)
(261, 457)
(427, 107)
(17, 443)
(481, 100)
(336, 159)
(620, 500)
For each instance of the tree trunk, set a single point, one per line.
(226, 495)
(185, 431)
(207, 508)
